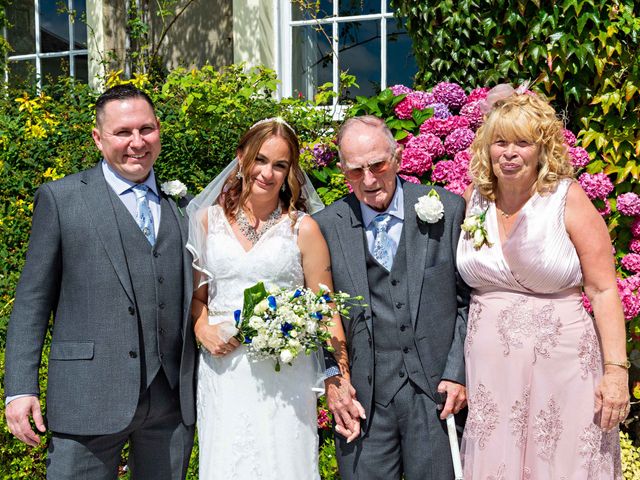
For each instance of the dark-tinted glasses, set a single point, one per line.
(355, 174)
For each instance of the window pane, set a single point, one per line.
(80, 25)
(401, 63)
(359, 48)
(312, 61)
(359, 7)
(21, 35)
(52, 68)
(22, 72)
(54, 28)
(325, 10)
(82, 68)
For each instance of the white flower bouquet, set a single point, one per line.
(283, 323)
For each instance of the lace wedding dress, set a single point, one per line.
(254, 422)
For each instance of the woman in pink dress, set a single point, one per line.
(547, 385)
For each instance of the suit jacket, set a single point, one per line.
(76, 269)
(438, 298)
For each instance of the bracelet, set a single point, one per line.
(626, 364)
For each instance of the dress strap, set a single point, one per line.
(296, 226)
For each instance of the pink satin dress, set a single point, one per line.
(532, 354)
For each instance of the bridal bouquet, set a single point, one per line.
(283, 323)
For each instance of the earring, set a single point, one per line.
(239, 175)
(282, 189)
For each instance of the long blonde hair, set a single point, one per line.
(521, 117)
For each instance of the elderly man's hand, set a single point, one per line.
(347, 411)
(456, 397)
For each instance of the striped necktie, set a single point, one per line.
(382, 245)
(144, 217)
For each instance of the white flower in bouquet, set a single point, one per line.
(474, 225)
(261, 307)
(429, 208)
(286, 356)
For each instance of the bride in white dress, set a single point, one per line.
(246, 227)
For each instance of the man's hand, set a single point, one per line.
(456, 397)
(18, 413)
(347, 411)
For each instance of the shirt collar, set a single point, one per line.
(120, 184)
(395, 208)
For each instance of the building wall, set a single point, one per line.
(253, 32)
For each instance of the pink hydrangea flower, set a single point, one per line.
(631, 262)
(457, 187)
(635, 227)
(410, 178)
(597, 185)
(442, 170)
(472, 112)
(628, 292)
(464, 156)
(324, 419)
(450, 94)
(459, 139)
(415, 100)
(586, 303)
(578, 156)
(443, 127)
(415, 160)
(634, 245)
(428, 141)
(476, 94)
(569, 137)
(628, 204)
(400, 89)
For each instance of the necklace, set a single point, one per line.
(251, 233)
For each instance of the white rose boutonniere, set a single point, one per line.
(176, 190)
(474, 225)
(429, 207)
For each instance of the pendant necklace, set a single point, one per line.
(251, 233)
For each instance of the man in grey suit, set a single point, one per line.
(406, 343)
(106, 256)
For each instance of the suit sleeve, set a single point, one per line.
(36, 297)
(454, 369)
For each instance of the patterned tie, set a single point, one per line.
(382, 247)
(144, 217)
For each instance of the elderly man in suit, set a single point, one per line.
(406, 342)
(106, 256)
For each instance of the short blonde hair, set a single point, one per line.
(521, 117)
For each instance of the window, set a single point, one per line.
(358, 36)
(48, 38)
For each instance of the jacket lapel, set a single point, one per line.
(102, 218)
(417, 239)
(350, 235)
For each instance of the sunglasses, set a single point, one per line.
(355, 174)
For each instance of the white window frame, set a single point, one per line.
(284, 37)
(38, 55)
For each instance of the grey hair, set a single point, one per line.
(371, 121)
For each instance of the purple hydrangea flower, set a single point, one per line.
(443, 127)
(428, 141)
(471, 111)
(450, 94)
(410, 178)
(440, 110)
(400, 89)
(628, 204)
(459, 139)
(595, 186)
(323, 155)
(635, 227)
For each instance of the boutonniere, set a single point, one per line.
(176, 190)
(429, 208)
(474, 225)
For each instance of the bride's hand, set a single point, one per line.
(212, 338)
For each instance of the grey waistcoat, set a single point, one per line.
(156, 276)
(396, 357)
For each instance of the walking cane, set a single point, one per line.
(455, 450)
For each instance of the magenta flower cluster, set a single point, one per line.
(323, 155)
(596, 185)
(628, 292)
(415, 100)
(458, 140)
(444, 126)
(569, 138)
(451, 94)
(578, 156)
(628, 204)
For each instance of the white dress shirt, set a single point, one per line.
(395, 210)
